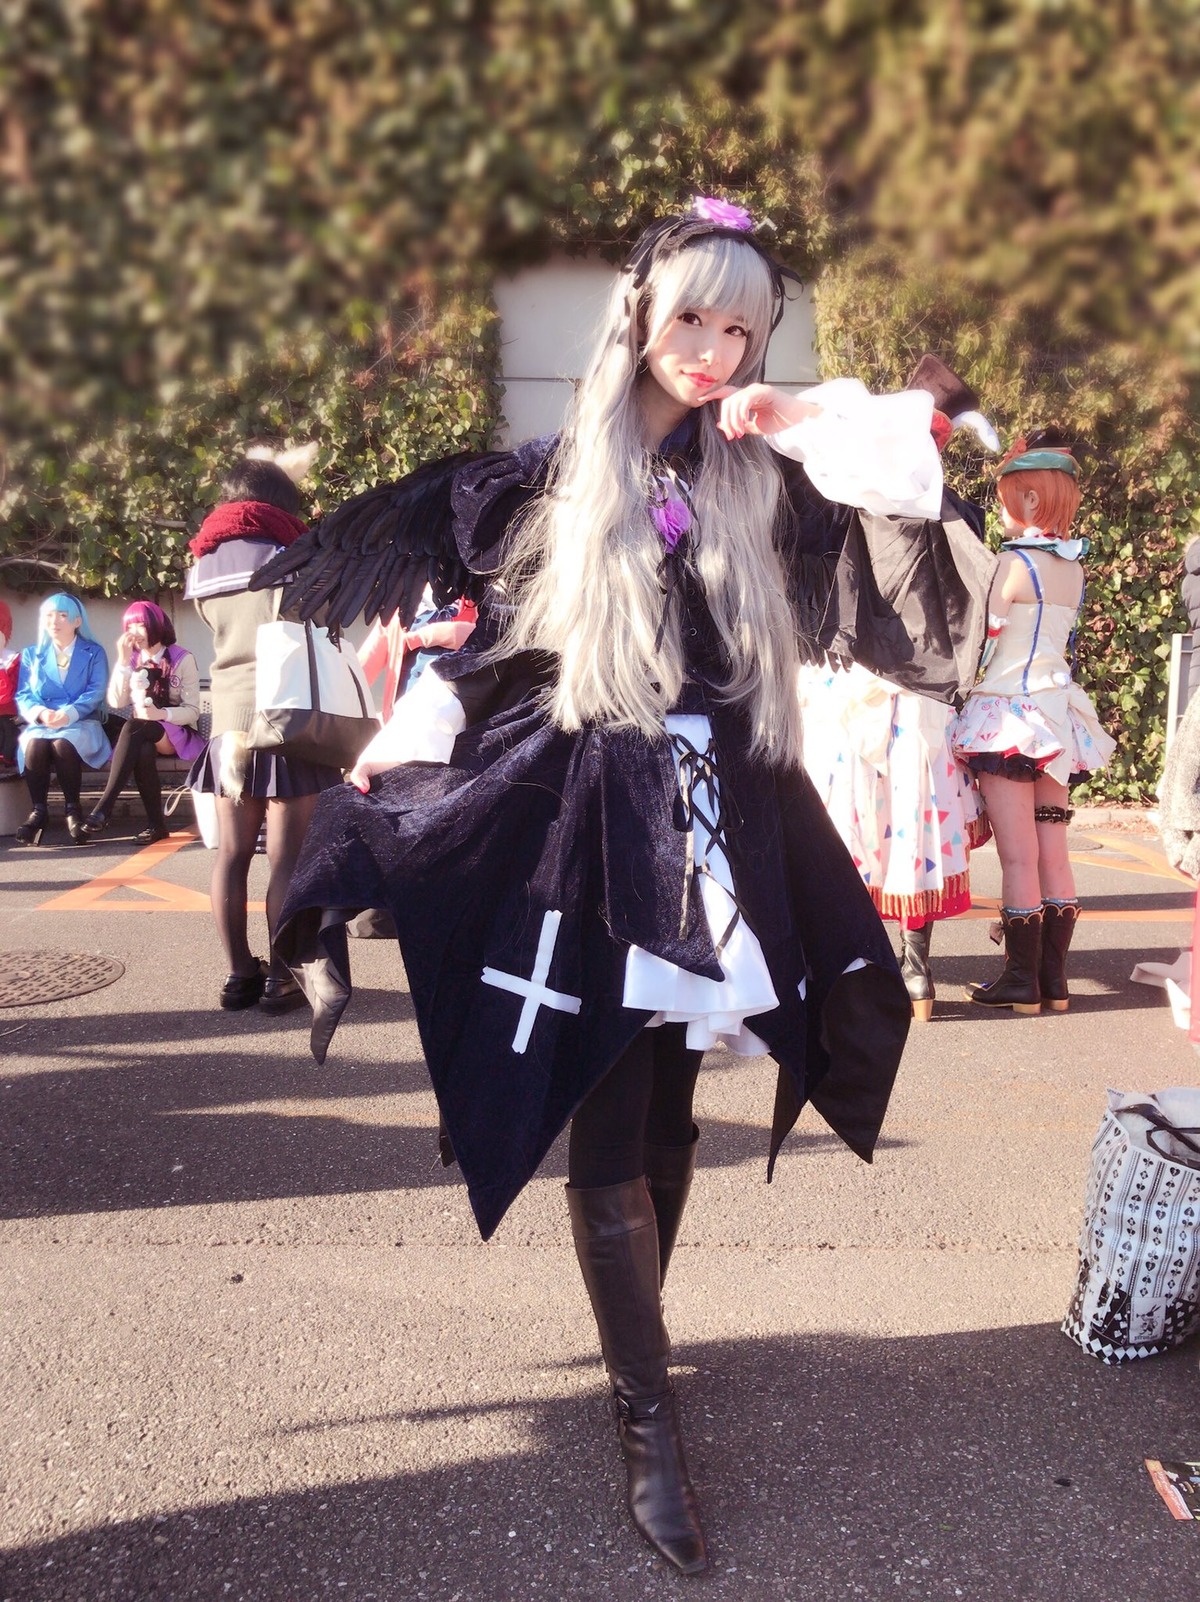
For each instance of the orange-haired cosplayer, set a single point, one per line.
(1027, 731)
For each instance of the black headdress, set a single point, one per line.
(669, 235)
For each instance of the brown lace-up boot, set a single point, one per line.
(1018, 986)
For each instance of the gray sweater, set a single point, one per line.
(234, 621)
(217, 584)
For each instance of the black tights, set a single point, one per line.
(134, 753)
(42, 756)
(646, 1096)
(240, 821)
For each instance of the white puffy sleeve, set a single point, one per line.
(874, 452)
(423, 726)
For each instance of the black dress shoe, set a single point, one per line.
(95, 825)
(77, 829)
(156, 831)
(30, 832)
(243, 990)
(281, 995)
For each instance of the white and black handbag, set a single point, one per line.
(312, 698)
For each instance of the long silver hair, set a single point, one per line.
(584, 573)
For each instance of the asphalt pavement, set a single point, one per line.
(254, 1349)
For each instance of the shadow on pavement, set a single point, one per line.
(150, 1024)
(49, 887)
(1163, 901)
(201, 1127)
(994, 1465)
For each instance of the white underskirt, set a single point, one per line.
(715, 1010)
(423, 728)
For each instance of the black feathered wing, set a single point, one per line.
(443, 525)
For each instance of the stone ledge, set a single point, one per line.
(1136, 819)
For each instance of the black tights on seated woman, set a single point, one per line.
(135, 753)
(46, 757)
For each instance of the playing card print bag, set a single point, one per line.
(1137, 1290)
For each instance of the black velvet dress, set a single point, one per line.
(520, 873)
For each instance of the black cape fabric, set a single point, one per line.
(908, 599)
(572, 847)
(903, 596)
(469, 858)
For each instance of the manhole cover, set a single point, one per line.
(33, 976)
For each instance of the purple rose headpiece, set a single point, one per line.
(723, 213)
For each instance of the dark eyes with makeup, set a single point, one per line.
(694, 319)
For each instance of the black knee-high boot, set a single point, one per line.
(669, 1171)
(616, 1240)
(1058, 925)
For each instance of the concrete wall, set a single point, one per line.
(105, 620)
(549, 318)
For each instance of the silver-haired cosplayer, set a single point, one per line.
(592, 825)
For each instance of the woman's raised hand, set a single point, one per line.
(759, 409)
(125, 649)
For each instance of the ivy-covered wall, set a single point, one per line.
(279, 220)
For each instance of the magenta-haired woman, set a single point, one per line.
(159, 681)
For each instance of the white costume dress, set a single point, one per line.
(1026, 706)
(907, 809)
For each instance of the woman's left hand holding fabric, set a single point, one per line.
(422, 728)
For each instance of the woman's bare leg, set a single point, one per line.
(1054, 863)
(1010, 806)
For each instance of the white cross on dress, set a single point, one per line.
(535, 989)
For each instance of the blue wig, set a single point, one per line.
(61, 601)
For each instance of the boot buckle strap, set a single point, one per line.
(643, 1409)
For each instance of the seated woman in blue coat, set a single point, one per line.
(60, 694)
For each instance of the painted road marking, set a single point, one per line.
(1149, 862)
(135, 873)
(1151, 856)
